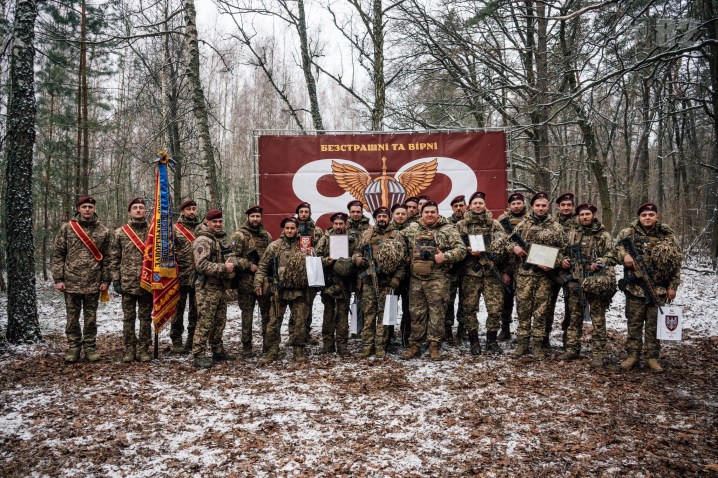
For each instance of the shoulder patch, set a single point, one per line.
(200, 249)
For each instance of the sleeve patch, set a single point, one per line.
(199, 249)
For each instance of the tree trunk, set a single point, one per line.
(22, 318)
(85, 125)
(200, 109)
(542, 86)
(709, 13)
(46, 226)
(307, 68)
(377, 113)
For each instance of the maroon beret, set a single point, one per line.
(477, 194)
(289, 219)
(188, 203)
(586, 205)
(429, 203)
(85, 200)
(649, 206)
(381, 210)
(354, 203)
(213, 214)
(565, 197)
(304, 204)
(339, 215)
(254, 210)
(539, 195)
(398, 206)
(135, 201)
(411, 199)
(423, 197)
(517, 197)
(458, 199)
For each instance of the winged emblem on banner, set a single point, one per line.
(384, 190)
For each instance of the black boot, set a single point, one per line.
(449, 335)
(492, 344)
(475, 342)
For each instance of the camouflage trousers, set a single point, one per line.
(508, 306)
(336, 320)
(427, 303)
(247, 300)
(451, 314)
(308, 314)
(298, 310)
(405, 325)
(133, 307)
(533, 293)
(75, 304)
(211, 318)
(375, 333)
(567, 309)
(177, 329)
(641, 315)
(575, 327)
(470, 290)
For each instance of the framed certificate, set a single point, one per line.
(338, 246)
(541, 255)
(476, 243)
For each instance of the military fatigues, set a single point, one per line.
(375, 334)
(126, 265)
(403, 292)
(568, 223)
(243, 241)
(185, 266)
(515, 262)
(429, 286)
(453, 287)
(413, 219)
(308, 228)
(73, 264)
(596, 246)
(640, 314)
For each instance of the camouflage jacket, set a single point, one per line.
(126, 259)
(420, 237)
(453, 220)
(243, 241)
(283, 248)
(534, 231)
(208, 260)
(373, 236)
(72, 262)
(596, 245)
(485, 225)
(183, 251)
(313, 231)
(336, 285)
(514, 219)
(360, 226)
(399, 227)
(569, 222)
(646, 242)
(414, 219)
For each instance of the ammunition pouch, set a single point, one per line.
(423, 268)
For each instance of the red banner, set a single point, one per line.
(328, 171)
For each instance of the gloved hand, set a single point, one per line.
(360, 261)
(394, 284)
(117, 287)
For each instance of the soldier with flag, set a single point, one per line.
(80, 269)
(184, 236)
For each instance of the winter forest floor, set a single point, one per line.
(486, 415)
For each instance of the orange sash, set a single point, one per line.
(86, 240)
(190, 237)
(134, 238)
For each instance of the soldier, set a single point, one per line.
(477, 277)
(412, 210)
(184, 236)
(307, 227)
(516, 213)
(659, 254)
(215, 268)
(458, 204)
(249, 244)
(358, 222)
(375, 335)
(338, 290)
(596, 246)
(295, 298)
(423, 199)
(568, 219)
(399, 223)
(80, 269)
(433, 247)
(534, 284)
(127, 255)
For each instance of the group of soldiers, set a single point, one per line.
(410, 251)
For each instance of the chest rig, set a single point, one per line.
(285, 252)
(425, 244)
(587, 243)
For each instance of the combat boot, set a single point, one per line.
(537, 349)
(177, 347)
(654, 365)
(505, 333)
(434, 352)
(569, 355)
(312, 341)
(475, 343)
(522, 349)
(270, 356)
(492, 344)
(629, 363)
(546, 343)
(327, 348)
(290, 341)
(73, 355)
(200, 361)
(299, 354)
(597, 362)
(414, 351)
(91, 355)
(247, 351)
(343, 351)
(129, 355)
(145, 355)
(222, 356)
(449, 335)
(189, 343)
(366, 352)
(380, 352)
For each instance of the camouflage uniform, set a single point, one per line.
(413, 219)
(359, 226)
(242, 241)
(638, 313)
(453, 287)
(403, 292)
(185, 266)
(430, 282)
(515, 262)
(73, 264)
(126, 266)
(568, 223)
(534, 286)
(596, 245)
(375, 334)
(296, 299)
(211, 289)
(316, 234)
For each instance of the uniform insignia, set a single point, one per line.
(199, 249)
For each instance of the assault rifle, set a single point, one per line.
(372, 271)
(506, 223)
(275, 285)
(641, 274)
(486, 259)
(578, 274)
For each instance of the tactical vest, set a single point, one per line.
(530, 233)
(567, 224)
(589, 247)
(645, 245)
(283, 255)
(255, 241)
(471, 229)
(425, 244)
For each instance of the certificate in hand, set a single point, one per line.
(541, 255)
(338, 246)
(476, 243)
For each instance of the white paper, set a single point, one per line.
(315, 272)
(541, 255)
(391, 309)
(670, 323)
(476, 242)
(339, 247)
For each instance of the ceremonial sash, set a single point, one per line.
(190, 237)
(134, 238)
(86, 240)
